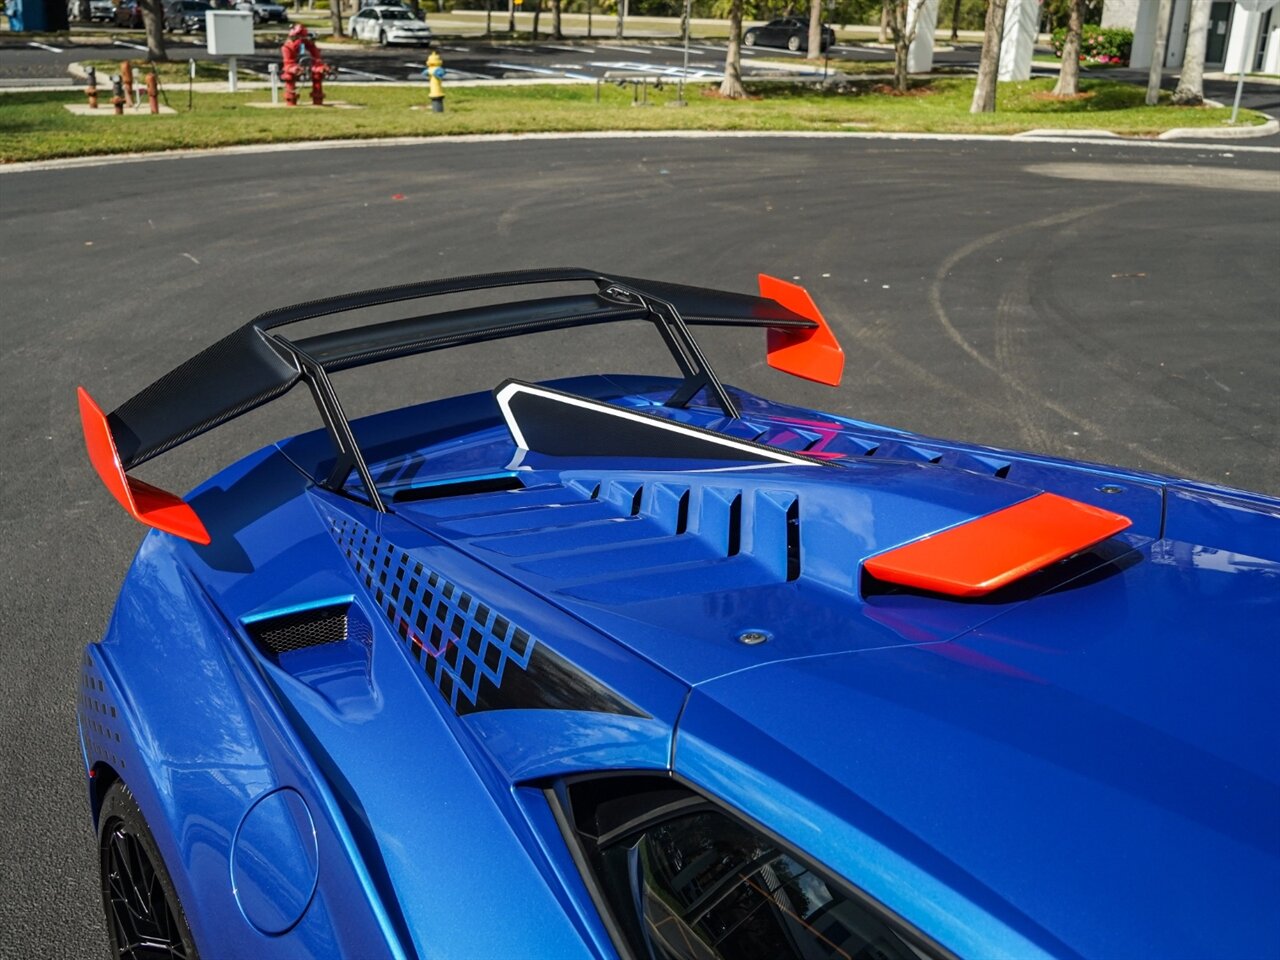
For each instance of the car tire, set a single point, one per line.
(793, 43)
(141, 905)
(749, 39)
(382, 37)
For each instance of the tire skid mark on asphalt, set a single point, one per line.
(1100, 354)
(1014, 304)
(1007, 377)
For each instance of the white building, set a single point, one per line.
(1236, 38)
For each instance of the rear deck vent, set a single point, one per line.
(793, 541)
(682, 514)
(735, 527)
(459, 488)
(298, 631)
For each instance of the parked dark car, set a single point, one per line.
(263, 11)
(98, 10)
(128, 14)
(789, 32)
(185, 15)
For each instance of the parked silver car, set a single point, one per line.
(389, 25)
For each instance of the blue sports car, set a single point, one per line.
(641, 667)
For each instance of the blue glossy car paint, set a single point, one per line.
(1041, 773)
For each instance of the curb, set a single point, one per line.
(69, 163)
(1271, 127)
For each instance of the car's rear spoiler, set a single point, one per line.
(254, 365)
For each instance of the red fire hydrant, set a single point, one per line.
(291, 50)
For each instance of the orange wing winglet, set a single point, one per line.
(810, 354)
(145, 503)
(991, 551)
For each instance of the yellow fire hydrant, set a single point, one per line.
(435, 74)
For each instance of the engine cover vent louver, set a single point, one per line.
(299, 630)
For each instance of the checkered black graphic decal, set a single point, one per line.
(477, 658)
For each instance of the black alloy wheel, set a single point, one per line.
(144, 919)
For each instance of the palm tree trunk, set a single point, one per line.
(955, 21)
(1157, 55)
(884, 21)
(904, 32)
(731, 86)
(1190, 90)
(555, 20)
(984, 92)
(1069, 78)
(153, 23)
(335, 17)
(815, 29)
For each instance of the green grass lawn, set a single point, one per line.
(35, 126)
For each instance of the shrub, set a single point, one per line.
(1098, 44)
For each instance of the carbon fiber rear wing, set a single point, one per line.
(254, 364)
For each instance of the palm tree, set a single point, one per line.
(153, 23)
(731, 86)
(984, 92)
(1069, 78)
(1157, 54)
(815, 28)
(902, 26)
(1190, 90)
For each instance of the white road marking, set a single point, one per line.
(459, 49)
(191, 258)
(364, 73)
(539, 71)
(618, 46)
(132, 46)
(650, 69)
(45, 46)
(556, 46)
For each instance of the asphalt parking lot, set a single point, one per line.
(1118, 303)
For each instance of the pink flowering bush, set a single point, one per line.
(1098, 45)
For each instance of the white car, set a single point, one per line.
(389, 25)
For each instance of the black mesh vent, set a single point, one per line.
(297, 631)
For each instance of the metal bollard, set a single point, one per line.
(117, 94)
(126, 75)
(92, 89)
(153, 92)
(274, 70)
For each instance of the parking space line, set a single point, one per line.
(365, 73)
(618, 46)
(541, 71)
(45, 46)
(132, 46)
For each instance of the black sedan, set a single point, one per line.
(185, 15)
(789, 32)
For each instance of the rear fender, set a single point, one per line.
(171, 703)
